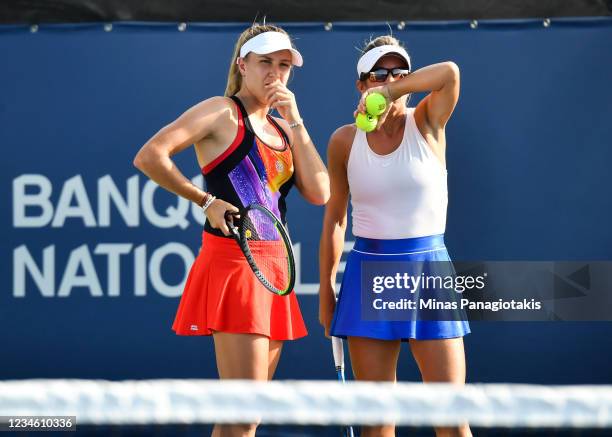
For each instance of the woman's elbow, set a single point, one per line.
(324, 194)
(453, 71)
(318, 199)
(315, 191)
(335, 218)
(322, 200)
(138, 161)
(320, 196)
(143, 160)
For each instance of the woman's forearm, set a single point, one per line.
(431, 78)
(160, 168)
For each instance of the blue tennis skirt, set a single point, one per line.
(348, 320)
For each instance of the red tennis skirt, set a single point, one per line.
(223, 294)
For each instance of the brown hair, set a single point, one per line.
(384, 40)
(234, 78)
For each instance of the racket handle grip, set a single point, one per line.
(229, 221)
(338, 350)
(229, 215)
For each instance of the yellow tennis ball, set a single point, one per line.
(366, 122)
(375, 104)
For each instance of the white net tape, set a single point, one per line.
(308, 402)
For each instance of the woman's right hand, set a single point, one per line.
(386, 93)
(215, 214)
(327, 307)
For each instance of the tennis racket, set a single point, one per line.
(338, 349)
(266, 245)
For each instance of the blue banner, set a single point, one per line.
(95, 255)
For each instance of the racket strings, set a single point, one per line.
(268, 248)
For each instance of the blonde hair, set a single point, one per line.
(234, 78)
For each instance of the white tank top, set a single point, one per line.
(399, 195)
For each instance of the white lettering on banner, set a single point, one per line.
(44, 277)
(113, 252)
(128, 209)
(36, 210)
(80, 257)
(73, 188)
(155, 268)
(175, 216)
(44, 280)
(21, 201)
(140, 270)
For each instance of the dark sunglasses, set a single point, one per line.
(381, 74)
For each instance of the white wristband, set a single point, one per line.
(208, 202)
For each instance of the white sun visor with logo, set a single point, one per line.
(269, 42)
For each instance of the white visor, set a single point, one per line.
(269, 42)
(371, 57)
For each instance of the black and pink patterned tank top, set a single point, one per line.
(250, 171)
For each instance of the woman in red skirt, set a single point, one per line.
(246, 156)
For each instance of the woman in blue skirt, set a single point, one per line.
(396, 179)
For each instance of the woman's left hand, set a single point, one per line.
(279, 97)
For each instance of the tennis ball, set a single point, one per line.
(375, 104)
(366, 122)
